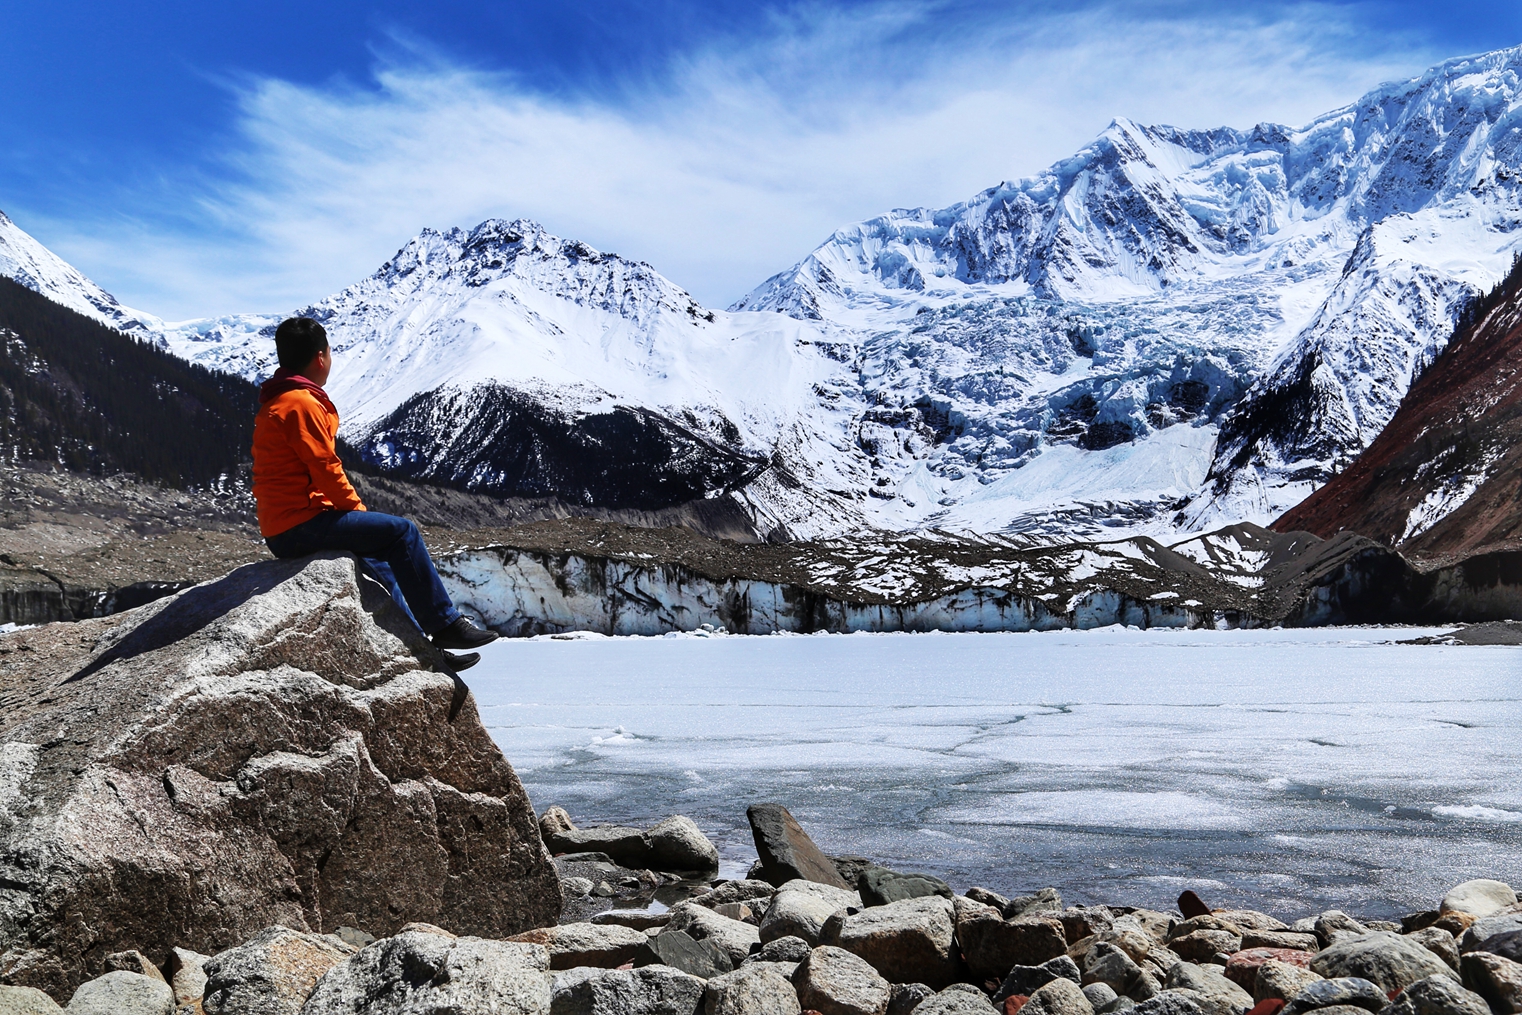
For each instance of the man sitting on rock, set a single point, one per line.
(306, 504)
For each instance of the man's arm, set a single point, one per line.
(314, 446)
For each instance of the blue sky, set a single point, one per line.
(198, 158)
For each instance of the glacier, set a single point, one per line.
(1170, 331)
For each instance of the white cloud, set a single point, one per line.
(727, 166)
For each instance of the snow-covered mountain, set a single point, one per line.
(39, 269)
(1170, 330)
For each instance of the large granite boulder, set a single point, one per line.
(651, 990)
(280, 746)
(1389, 960)
(801, 908)
(273, 973)
(912, 941)
(786, 852)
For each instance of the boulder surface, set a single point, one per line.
(280, 746)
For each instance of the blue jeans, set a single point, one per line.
(391, 546)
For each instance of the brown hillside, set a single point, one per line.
(1444, 478)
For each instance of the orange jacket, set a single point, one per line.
(297, 474)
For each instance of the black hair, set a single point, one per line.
(297, 340)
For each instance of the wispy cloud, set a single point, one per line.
(723, 166)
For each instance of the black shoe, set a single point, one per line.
(463, 634)
(462, 660)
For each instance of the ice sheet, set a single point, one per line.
(1288, 770)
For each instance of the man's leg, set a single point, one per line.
(396, 541)
(381, 571)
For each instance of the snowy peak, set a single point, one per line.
(42, 271)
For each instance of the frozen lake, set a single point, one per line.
(1290, 770)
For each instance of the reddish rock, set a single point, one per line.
(1267, 1006)
(1014, 1003)
(1191, 906)
(1242, 968)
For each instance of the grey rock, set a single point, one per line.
(1136, 939)
(738, 891)
(1490, 932)
(1060, 997)
(1100, 995)
(1121, 1003)
(1047, 900)
(906, 997)
(26, 1001)
(187, 974)
(122, 993)
(993, 946)
(1497, 980)
(1169, 1002)
(585, 944)
(912, 941)
(650, 990)
(1437, 995)
(1280, 939)
(758, 989)
(734, 938)
(1079, 922)
(1346, 990)
(1390, 960)
(832, 981)
(957, 999)
(988, 898)
(1507, 944)
(422, 973)
(1026, 980)
(879, 886)
(1251, 919)
(1342, 1009)
(1108, 964)
(850, 867)
(1204, 945)
(1281, 981)
(1439, 942)
(677, 844)
(680, 950)
(801, 908)
(1334, 921)
(1481, 897)
(272, 973)
(785, 849)
(576, 888)
(783, 949)
(635, 919)
(278, 746)
(1217, 994)
(134, 961)
(619, 843)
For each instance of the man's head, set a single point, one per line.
(301, 345)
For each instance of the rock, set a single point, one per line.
(605, 946)
(1191, 905)
(1481, 897)
(1333, 921)
(734, 938)
(1489, 932)
(272, 973)
(26, 1001)
(555, 821)
(1060, 997)
(576, 888)
(1390, 960)
(1287, 939)
(782, 949)
(280, 746)
(621, 844)
(906, 997)
(634, 919)
(650, 990)
(1026, 980)
(1217, 993)
(187, 975)
(1437, 995)
(850, 867)
(833, 981)
(785, 849)
(1047, 900)
(800, 909)
(993, 946)
(879, 886)
(1250, 920)
(757, 989)
(1439, 942)
(987, 898)
(912, 941)
(1497, 980)
(1100, 995)
(1507, 944)
(1205, 945)
(677, 844)
(1281, 981)
(1242, 967)
(1347, 990)
(957, 999)
(739, 891)
(133, 961)
(1079, 922)
(417, 973)
(1135, 939)
(1170, 1002)
(1108, 964)
(122, 993)
(679, 950)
